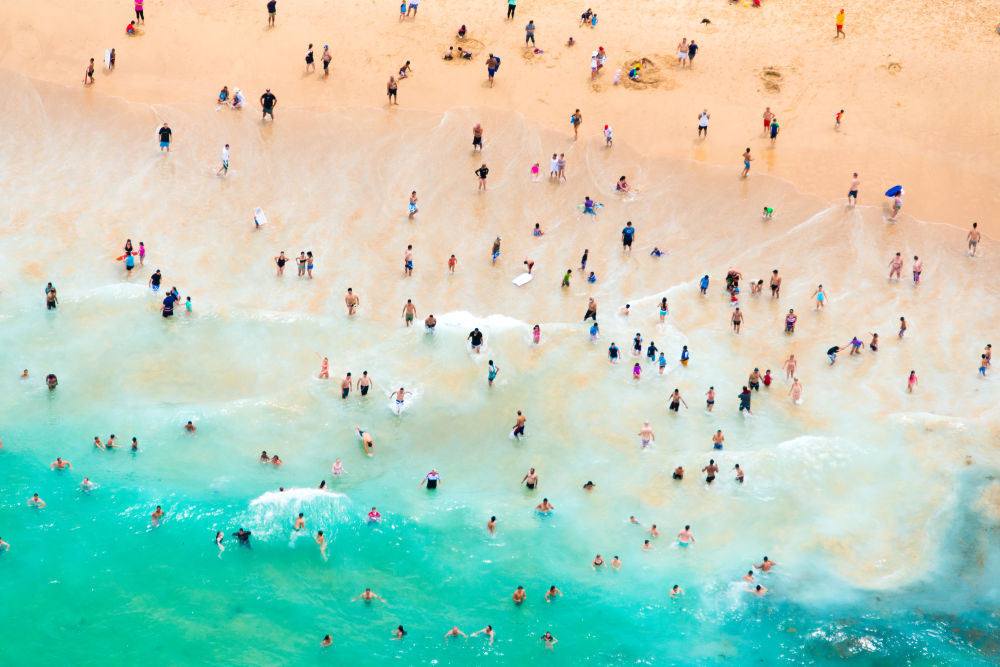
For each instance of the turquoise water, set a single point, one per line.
(879, 507)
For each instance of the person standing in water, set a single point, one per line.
(519, 426)
(492, 373)
(408, 261)
(352, 301)
(852, 193)
(747, 159)
(896, 267)
(685, 538)
(911, 382)
(796, 392)
(973, 239)
(530, 479)
(409, 312)
(646, 435)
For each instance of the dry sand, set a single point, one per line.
(917, 82)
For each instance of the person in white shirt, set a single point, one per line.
(224, 169)
(703, 122)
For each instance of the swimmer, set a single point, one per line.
(454, 632)
(685, 538)
(111, 443)
(276, 462)
(409, 310)
(597, 562)
(218, 542)
(653, 532)
(544, 507)
(589, 486)
(87, 486)
(399, 633)
(157, 516)
(264, 458)
(35, 501)
(321, 541)
(758, 590)
(710, 398)
(324, 371)
(911, 382)
(718, 439)
(189, 427)
(765, 565)
(646, 435)
(519, 426)
(98, 444)
(710, 471)
(616, 563)
(820, 297)
(24, 375)
(327, 640)
(676, 591)
(519, 595)
(789, 366)
(243, 537)
(364, 383)
(366, 437)
(491, 525)
(676, 400)
(796, 392)
(552, 593)
(59, 464)
(646, 545)
(352, 301)
(748, 577)
(549, 640)
(739, 473)
(488, 631)
(530, 479)
(367, 596)
(300, 522)
(374, 516)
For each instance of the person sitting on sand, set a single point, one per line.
(633, 73)
(450, 53)
(237, 102)
(622, 185)
(465, 53)
(405, 70)
(570, 41)
(462, 31)
(224, 95)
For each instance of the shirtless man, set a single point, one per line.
(710, 471)
(775, 284)
(646, 434)
(796, 392)
(758, 590)
(352, 301)
(59, 464)
(918, 267)
(157, 516)
(552, 593)
(519, 426)
(765, 565)
(737, 319)
(409, 312)
(491, 525)
(895, 267)
(748, 577)
(519, 595)
(367, 439)
(488, 631)
(718, 439)
(685, 538)
(321, 541)
(747, 160)
(544, 507)
(408, 261)
(530, 479)
(852, 194)
(754, 380)
(973, 239)
(789, 366)
(364, 383)
(35, 501)
(768, 117)
(430, 322)
(345, 386)
(477, 137)
(367, 596)
(454, 632)
(87, 486)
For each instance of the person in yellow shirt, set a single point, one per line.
(840, 24)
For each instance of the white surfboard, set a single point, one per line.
(258, 217)
(107, 59)
(522, 279)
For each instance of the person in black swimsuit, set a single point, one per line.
(281, 260)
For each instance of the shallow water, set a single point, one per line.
(880, 507)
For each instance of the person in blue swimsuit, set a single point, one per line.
(492, 374)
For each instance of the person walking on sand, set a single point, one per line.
(682, 53)
(413, 204)
(492, 65)
(391, 89)
(481, 173)
(973, 239)
(774, 130)
(896, 267)
(852, 193)
(408, 261)
(840, 25)
(477, 137)
(703, 123)
(271, 11)
(88, 75)
(413, 8)
(747, 159)
(224, 169)
(511, 6)
(327, 58)
(310, 60)
(768, 117)
(267, 104)
(911, 382)
(165, 133)
(576, 119)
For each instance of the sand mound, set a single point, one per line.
(467, 44)
(772, 78)
(652, 75)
